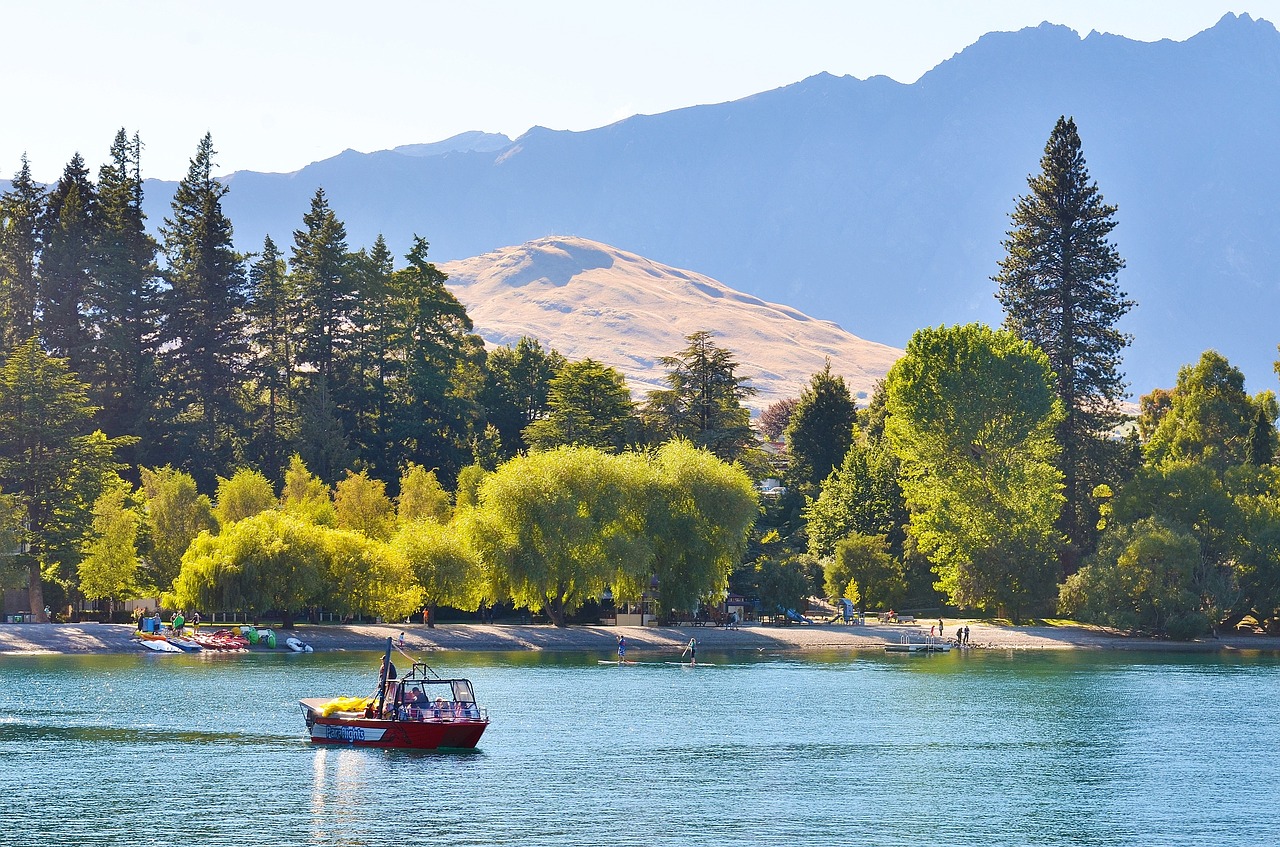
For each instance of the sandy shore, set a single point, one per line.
(118, 638)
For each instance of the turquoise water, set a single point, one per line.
(986, 748)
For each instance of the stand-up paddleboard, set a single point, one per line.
(617, 662)
(692, 664)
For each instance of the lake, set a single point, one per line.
(981, 748)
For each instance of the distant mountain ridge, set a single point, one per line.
(876, 204)
(590, 300)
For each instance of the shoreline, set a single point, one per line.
(79, 639)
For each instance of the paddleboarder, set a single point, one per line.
(692, 650)
(622, 649)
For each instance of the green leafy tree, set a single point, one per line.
(1143, 578)
(821, 430)
(555, 529)
(361, 504)
(861, 497)
(589, 405)
(366, 577)
(51, 461)
(971, 416)
(111, 567)
(271, 561)
(1057, 284)
(863, 571)
(20, 233)
(781, 583)
(422, 497)
(517, 389)
(699, 519)
(304, 494)
(1210, 416)
(446, 569)
(703, 400)
(205, 348)
(245, 494)
(175, 512)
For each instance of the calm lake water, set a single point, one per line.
(985, 748)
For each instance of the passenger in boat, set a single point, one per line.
(388, 670)
(439, 709)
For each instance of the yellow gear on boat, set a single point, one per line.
(345, 704)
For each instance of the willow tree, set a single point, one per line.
(699, 517)
(269, 561)
(971, 415)
(446, 569)
(1057, 284)
(558, 528)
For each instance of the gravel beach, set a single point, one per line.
(118, 638)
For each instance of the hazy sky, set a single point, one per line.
(282, 83)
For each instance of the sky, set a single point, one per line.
(283, 83)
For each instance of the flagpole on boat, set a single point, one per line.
(382, 677)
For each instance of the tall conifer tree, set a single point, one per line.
(821, 429)
(20, 213)
(68, 263)
(124, 301)
(271, 311)
(322, 272)
(1058, 287)
(205, 339)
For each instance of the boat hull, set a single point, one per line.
(350, 731)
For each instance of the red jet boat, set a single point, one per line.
(418, 712)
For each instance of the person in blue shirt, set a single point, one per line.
(622, 648)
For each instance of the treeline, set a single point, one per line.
(252, 432)
(129, 356)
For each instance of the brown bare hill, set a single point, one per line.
(590, 300)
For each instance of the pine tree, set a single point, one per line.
(321, 271)
(432, 339)
(69, 231)
(20, 213)
(124, 304)
(821, 429)
(271, 311)
(371, 363)
(1058, 287)
(703, 400)
(205, 348)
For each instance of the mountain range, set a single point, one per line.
(878, 205)
(590, 300)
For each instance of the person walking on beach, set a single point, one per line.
(622, 649)
(939, 627)
(692, 650)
